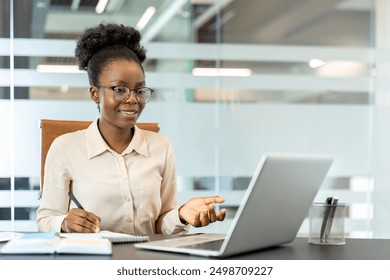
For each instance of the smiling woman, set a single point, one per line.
(118, 110)
(124, 177)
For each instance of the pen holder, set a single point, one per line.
(327, 224)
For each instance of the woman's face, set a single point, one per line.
(122, 114)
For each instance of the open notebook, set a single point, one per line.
(114, 237)
(52, 243)
(67, 243)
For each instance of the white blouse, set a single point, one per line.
(133, 192)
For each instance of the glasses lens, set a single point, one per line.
(144, 94)
(120, 92)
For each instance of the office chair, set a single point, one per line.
(51, 129)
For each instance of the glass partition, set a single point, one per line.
(234, 80)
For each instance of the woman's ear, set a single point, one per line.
(94, 94)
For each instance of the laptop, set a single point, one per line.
(272, 210)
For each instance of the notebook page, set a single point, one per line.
(114, 237)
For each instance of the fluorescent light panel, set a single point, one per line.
(314, 63)
(232, 72)
(101, 6)
(145, 18)
(44, 68)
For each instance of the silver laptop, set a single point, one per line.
(272, 210)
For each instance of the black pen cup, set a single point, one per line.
(327, 224)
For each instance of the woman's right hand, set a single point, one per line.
(79, 220)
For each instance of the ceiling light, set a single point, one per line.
(232, 72)
(146, 18)
(101, 6)
(314, 63)
(44, 68)
(168, 13)
(41, 4)
(64, 88)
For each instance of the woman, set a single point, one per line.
(124, 177)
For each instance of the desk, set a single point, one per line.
(299, 249)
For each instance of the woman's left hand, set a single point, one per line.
(200, 212)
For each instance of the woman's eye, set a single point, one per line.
(120, 90)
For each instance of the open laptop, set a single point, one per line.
(272, 210)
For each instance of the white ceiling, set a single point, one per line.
(319, 22)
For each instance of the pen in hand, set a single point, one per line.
(80, 221)
(74, 199)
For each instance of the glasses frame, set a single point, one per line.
(125, 97)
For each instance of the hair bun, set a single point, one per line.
(107, 35)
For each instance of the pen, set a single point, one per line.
(74, 199)
(326, 217)
(332, 211)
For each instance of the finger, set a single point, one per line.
(77, 225)
(84, 214)
(221, 215)
(70, 221)
(212, 214)
(71, 225)
(90, 226)
(76, 212)
(213, 199)
(79, 220)
(87, 226)
(90, 223)
(196, 221)
(92, 218)
(204, 218)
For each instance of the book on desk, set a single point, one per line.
(68, 243)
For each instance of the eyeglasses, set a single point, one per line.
(122, 93)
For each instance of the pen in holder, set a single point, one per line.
(327, 222)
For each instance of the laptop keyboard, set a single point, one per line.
(213, 245)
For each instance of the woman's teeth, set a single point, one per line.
(128, 112)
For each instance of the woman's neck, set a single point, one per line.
(116, 138)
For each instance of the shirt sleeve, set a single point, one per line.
(54, 201)
(168, 222)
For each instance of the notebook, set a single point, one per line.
(52, 243)
(114, 237)
(272, 210)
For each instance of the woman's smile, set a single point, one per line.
(128, 112)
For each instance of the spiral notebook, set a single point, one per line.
(114, 237)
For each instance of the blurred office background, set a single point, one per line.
(234, 79)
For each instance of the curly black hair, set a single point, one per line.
(100, 45)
